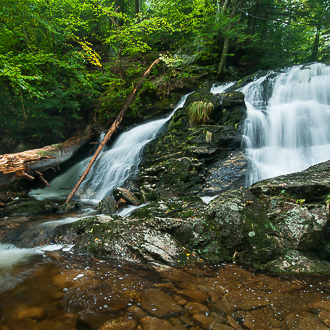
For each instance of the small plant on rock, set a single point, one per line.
(199, 112)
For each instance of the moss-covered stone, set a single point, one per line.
(69, 207)
(179, 160)
(28, 207)
(125, 239)
(181, 207)
(256, 225)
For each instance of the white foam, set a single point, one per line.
(111, 169)
(208, 199)
(287, 128)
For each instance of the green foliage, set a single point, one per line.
(199, 112)
(44, 57)
(61, 60)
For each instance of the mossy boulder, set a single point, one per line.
(228, 108)
(194, 160)
(125, 238)
(69, 207)
(129, 197)
(233, 108)
(183, 162)
(108, 205)
(29, 207)
(280, 224)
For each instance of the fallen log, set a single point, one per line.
(30, 163)
(113, 127)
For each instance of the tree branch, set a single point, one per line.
(113, 127)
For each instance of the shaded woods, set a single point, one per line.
(64, 63)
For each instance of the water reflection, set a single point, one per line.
(76, 292)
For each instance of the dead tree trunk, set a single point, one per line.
(30, 163)
(113, 127)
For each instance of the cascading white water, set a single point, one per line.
(112, 168)
(11, 257)
(288, 121)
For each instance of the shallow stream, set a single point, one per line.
(50, 287)
(60, 290)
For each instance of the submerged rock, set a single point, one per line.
(159, 304)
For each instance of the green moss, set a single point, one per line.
(215, 251)
(27, 208)
(46, 153)
(259, 233)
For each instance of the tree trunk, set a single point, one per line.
(223, 55)
(226, 42)
(315, 48)
(25, 164)
(113, 127)
(137, 7)
(224, 7)
(120, 8)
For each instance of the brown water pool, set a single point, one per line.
(67, 292)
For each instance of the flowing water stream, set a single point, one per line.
(113, 166)
(49, 287)
(287, 128)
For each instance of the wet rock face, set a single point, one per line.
(29, 207)
(108, 205)
(121, 193)
(69, 207)
(280, 224)
(191, 160)
(135, 238)
(226, 174)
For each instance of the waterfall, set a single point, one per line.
(288, 121)
(113, 166)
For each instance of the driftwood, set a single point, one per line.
(30, 163)
(113, 127)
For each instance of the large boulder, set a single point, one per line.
(28, 207)
(138, 239)
(193, 161)
(122, 193)
(203, 159)
(281, 224)
(108, 205)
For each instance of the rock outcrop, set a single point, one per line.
(281, 224)
(203, 159)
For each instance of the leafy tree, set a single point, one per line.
(44, 53)
(61, 59)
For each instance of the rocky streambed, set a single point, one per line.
(178, 261)
(280, 224)
(78, 292)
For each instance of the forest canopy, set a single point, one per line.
(62, 60)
